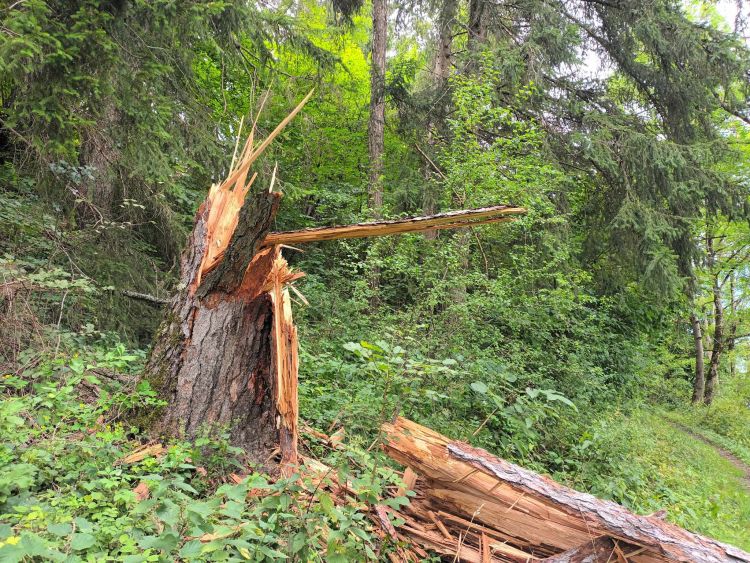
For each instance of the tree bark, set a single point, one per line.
(699, 383)
(477, 27)
(213, 359)
(376, 126)
(477, 35)
(436, 117)
(732, 337)
(712, 382)
(376, 129)
(226, 355)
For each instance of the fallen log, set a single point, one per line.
(478, 495)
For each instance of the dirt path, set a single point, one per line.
(723, 452)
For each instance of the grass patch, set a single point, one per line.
(646, 463)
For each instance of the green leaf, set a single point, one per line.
(298, 542)
(82, 541)
(480, 387)
(61, 530)
(326, 503)
(84, 525)
(166, 541)
(204, 509)
(193, 548)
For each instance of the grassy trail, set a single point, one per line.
(708, 486)
(723, 452)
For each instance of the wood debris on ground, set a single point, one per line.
(475, 507)
(142, 452)
(467, 505)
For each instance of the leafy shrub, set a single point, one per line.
(65, 491)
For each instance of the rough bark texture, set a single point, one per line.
(226, 355)
(526, 516)
(699, 383)
(732, 336)
(442, 98)
(376, 126)
(212, 360)
(717, 348)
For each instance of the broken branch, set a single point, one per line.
(449, 220)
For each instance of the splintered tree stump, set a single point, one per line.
(226, 355)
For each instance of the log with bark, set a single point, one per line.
(226, 354)
(477, 507)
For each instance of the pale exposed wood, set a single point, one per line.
(472, 490)
(449, 220)
(141, 453)
(253, 155)
(286, 364)
(486, 552)
(598, 550)
(410, 479)
(440, 526)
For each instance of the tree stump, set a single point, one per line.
(226, 355)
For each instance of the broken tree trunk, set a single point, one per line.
(448, 220)
(481, 500)
(226, 355)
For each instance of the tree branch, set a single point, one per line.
(449, 220)
(157, 301)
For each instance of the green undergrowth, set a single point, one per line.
(67, 492)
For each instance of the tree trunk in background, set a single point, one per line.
(99, 152)
(712, 381)
(436, 117)
(477, 24)
(477, 30)
(732, 326)
(376, 126)
(376, 129)
(699, 383)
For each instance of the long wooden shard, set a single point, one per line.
(524, 515)
(449, 220)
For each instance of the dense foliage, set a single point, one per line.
(568, 340)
